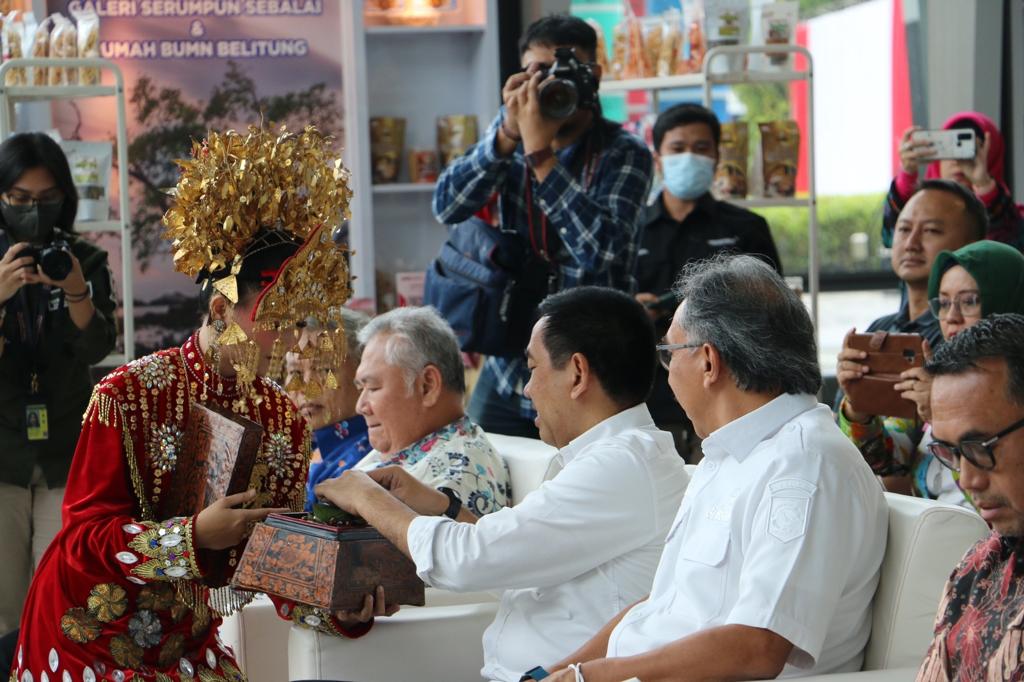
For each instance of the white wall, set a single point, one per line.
(852, 51)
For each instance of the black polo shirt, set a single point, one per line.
(712, 227)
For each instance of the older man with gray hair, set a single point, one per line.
(412, 385)
(771, 563)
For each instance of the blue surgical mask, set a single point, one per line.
(688, 175)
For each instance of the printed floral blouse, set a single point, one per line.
(979, 629)
(458, 456)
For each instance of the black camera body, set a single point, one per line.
(574, 86)
(54, 259)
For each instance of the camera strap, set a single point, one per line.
(539, 243)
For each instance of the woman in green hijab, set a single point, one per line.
(981, 279)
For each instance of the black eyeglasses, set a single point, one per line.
(977, 452)
(665, 351)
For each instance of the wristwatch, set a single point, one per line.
(534, 159)
(454, 502)
(537, 673)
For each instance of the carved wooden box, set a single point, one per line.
(333, 567)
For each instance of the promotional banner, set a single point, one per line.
(191, 66)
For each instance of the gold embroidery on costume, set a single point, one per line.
(80, 626)
(173, 648)
(107, 602)
(125, 652)
(168, 546)
(156, 597)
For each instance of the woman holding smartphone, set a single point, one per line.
(983, 174)
(981, 279)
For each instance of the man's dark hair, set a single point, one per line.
(611, 330)
(977, 214)
(996, 336)
(23, 152)
(560, 29)
(685, 114)
(760, 327)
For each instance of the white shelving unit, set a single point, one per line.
(418, 73)
(708, 79)
(10, 95)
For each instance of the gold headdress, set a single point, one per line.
(239, 189)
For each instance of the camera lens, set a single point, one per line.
(55, 262)
(558, 99)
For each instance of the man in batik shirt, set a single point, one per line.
(978, 425)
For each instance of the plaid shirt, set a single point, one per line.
(598, 220)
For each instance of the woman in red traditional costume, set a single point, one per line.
(135, 584)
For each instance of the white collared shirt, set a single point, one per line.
(573, 553)
(783, 527)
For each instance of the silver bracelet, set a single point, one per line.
(577, 669)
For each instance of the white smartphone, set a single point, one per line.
(949, 144)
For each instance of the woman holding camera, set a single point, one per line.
(983, 175)
(56, 320)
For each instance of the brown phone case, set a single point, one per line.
(888, 356)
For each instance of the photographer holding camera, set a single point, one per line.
(56, 319)
(570, 184)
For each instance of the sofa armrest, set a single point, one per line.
(890, 675)
(428, 643)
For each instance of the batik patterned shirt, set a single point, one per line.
(457, 456)
(979, 629)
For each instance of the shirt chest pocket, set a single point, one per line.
(702, 569)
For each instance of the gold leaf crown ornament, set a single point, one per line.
(235, 185)
(241, 193)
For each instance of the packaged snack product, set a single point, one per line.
(423, 165)
(88, 43)
(727, 23)
(776, 26)
(90, 170)
(40, 49)
(69, 50)
(652, 34)
(455, 134)
(731, 173)
(13, 37)
(667, 59)
(780, 149)
(602, 51)
(57, 75)
(387, 136)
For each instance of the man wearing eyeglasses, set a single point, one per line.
(772, 561)
(978, 426)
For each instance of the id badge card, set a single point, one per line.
(37, 422)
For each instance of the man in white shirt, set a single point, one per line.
(773, 558)
(585, 544)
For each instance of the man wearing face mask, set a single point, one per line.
(685, 224)
(54, 324)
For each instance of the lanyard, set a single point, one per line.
(31, 315)
(544, 251)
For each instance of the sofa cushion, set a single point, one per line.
(530, 462)
(926, 540)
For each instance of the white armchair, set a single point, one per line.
(266, 651)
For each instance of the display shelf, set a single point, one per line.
(687, 80)
(98, 226)
(385, 30)
(404, 188)
(432, 71)
(31, 93)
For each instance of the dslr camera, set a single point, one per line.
(54, 259)
(574, 86)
